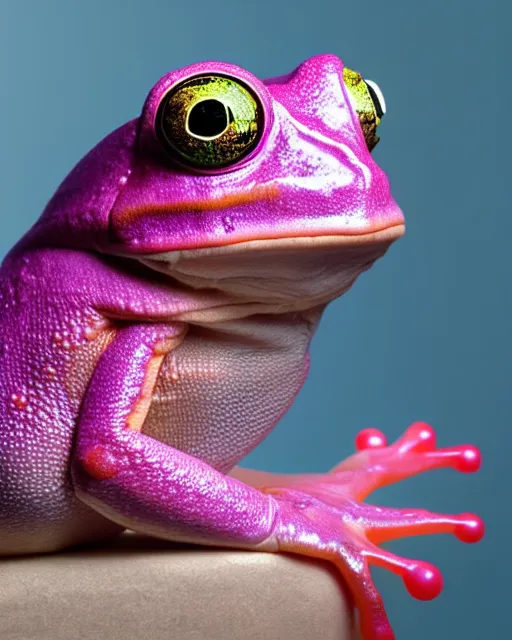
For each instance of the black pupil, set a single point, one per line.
(208, 118)
(375, 100)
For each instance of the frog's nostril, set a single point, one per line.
(377, 97)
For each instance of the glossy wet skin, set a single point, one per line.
(309, 174)
(167, 298)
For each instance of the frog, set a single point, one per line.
(156, 323)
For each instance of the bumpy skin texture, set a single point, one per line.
(155, 325)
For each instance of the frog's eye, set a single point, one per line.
(210, 121)
(368, 102)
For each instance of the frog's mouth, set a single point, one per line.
(288, 274)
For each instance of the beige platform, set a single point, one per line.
(138, 588)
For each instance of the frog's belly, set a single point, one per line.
(225, 387)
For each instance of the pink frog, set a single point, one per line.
(156, 320)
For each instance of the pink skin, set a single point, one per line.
(156, 324)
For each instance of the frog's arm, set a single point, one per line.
(142, 483)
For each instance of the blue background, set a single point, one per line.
(426, 333)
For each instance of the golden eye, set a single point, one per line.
(368, 102)
(210, 121)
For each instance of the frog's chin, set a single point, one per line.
(276, 275)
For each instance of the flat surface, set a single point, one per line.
(136, 587)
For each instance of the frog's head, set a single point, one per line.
(266, 189)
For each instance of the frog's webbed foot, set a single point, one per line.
(324, 518)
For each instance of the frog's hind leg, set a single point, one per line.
(333, 501)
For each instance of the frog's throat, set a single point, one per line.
(276, 276)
